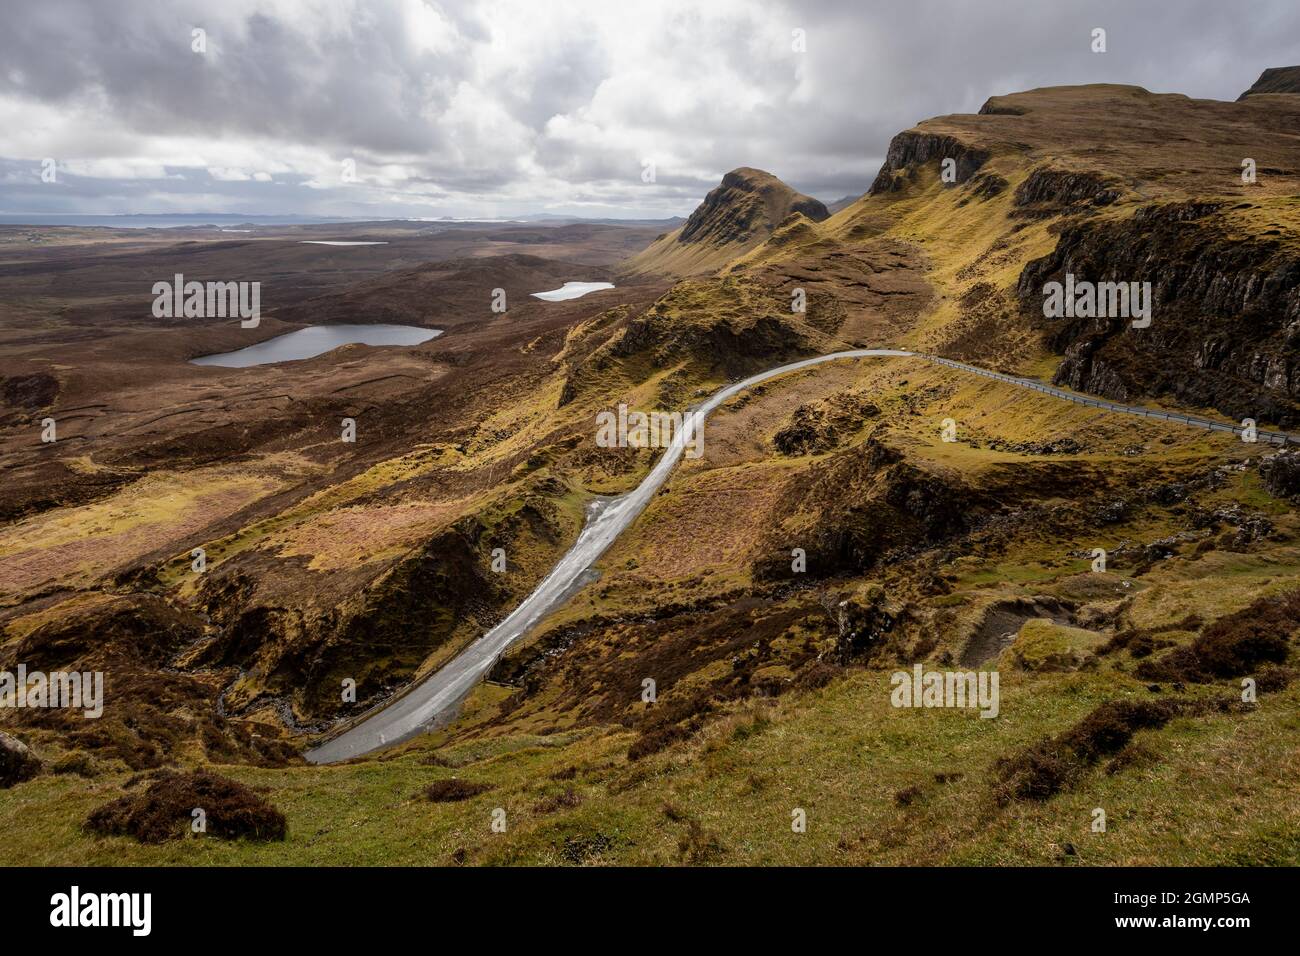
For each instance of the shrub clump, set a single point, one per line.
(164, 811)
(654, 739)
(566, 800)
(669, 723)
(698, 845)
(1234, 645)
(1271, 680)
(907, 796)
(579, 850)
(1054, 763)
(454, 790)
(817, 675)
(75, 762)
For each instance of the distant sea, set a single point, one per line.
(168, 221)
(226, 220)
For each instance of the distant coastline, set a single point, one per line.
(163, 220)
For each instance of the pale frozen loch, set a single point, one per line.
(572, 290)
(316, 340)
(338, 242)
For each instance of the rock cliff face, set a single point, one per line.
(914, 148)
(1225, 329)
(1055, 189)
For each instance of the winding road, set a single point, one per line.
(436, 700)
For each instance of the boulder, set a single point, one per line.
(17, 762)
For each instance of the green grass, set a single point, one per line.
(1221, 791)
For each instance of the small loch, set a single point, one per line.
(572, 290)
(316, 340)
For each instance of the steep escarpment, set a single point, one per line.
(1141, 145)
(1225, 328)
(913, 148)
(1277, 79)
(1107, 183)
(1052, 191)
(747, 207)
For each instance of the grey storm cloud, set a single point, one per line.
(471, 107)
(276, 77)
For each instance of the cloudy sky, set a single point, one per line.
(499, 107)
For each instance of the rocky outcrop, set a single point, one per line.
(1277, 79)
(1281, 474)
(986, 185)
(17, 762)
(1225, 329)
(914, 148)
(864, 620)
(1053, 190)
(742, 212)
(727, 323)
(748, 204)
(850, 511)
(817, 427)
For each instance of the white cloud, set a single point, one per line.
(505, 106)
